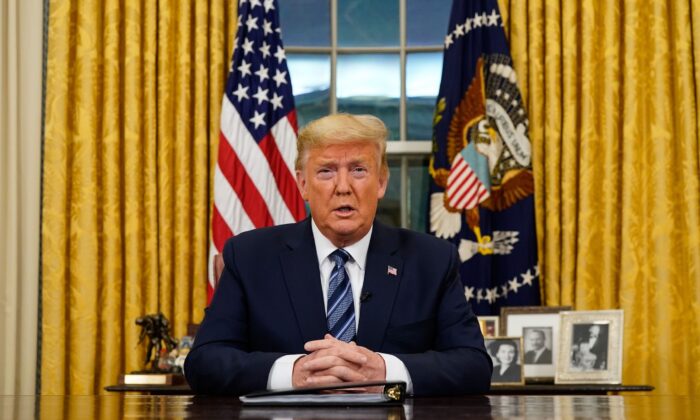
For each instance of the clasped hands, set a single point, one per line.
(331, 361)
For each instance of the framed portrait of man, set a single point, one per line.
(591, 347)
(507, 356)
(539, 328)
(538, 345)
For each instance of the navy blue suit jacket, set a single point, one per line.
(269, 303)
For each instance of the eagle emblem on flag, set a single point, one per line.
(490, 155)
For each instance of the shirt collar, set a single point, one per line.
(324, 247)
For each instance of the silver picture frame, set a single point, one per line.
(590, 349)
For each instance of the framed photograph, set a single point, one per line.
(489, 325)
(539, 327)
(510, 311)
(507, 356)
(591, 347)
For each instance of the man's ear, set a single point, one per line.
(383, 182)
(301, 183)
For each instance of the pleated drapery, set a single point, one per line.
(611, 90)
(132, 120)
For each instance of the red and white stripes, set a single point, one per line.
(464, 189)
(254, 182)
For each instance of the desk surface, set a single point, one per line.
(599, 389)
(117, 406)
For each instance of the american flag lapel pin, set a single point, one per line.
(392, 271)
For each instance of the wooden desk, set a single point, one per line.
(119, 405)
(501, 390)
(567, 389)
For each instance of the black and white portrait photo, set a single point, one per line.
(538, 345)
(506, 354)
(539, 329)
(589, 350)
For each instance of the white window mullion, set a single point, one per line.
(334, 56)
(402, 101)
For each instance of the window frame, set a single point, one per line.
(402, 149)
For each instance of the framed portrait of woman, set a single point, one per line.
(507, 356)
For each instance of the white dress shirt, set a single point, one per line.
(281, 372)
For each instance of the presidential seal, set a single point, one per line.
(490, 155)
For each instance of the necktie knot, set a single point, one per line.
(339, 257)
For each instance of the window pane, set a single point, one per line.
(370, 84)
(423, 72)
(389, 210)
(418, 193)
(365, 23)
(426, 21)
(305, 23)
(311, 82)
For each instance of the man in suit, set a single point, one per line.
(339, 297)
(538, 353)
(598, 345)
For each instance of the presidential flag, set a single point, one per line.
(254, 183)
(482, 188)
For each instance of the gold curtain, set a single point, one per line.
(133, 96)
(612, 94)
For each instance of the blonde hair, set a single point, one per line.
(342, 128)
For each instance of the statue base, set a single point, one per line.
(148, 378)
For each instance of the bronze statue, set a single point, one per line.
(157, 328)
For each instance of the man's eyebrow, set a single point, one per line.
(359, 160)
(326, 161)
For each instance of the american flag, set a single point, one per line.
(254, 183)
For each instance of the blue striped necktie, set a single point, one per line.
(341, 311)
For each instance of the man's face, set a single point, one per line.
(343, 184)
(594, 331)
(505, 354)
(535, 340)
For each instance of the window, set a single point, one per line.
(376, 57)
